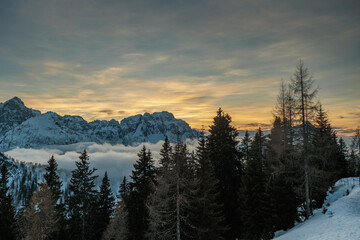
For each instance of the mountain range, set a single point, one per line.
(24, 127)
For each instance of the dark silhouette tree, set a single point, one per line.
(53, 181)
(302, 85)
(255, 207)
(7, 210)
(105, 206)
(226, 160)
(206, 215)
(142, 177)
(83, 199)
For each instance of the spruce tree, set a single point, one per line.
(121, 214)
(341, 155)
(225, 158)
(106, 205)
(281, 178)
(255, 209)
(205, 210)
(142, 177)
(54, 183)
(352, 164)
(302, 86)
(82, 200)
(245, 146)
(165, 153)
(323, 158)
(52, 178)
(7, 210)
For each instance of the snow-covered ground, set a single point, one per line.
(341, 220)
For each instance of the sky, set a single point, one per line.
(113, 59)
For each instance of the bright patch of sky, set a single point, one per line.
(113, 59)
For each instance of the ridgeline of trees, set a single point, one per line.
(229, 188)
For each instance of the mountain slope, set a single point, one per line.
(24, 127)
(340, 221)
(24, 178)
(13, 113)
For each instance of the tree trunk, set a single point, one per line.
(305, 146)
(83, 226)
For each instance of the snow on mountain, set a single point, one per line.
(24, 127)
(153, 128)
(340, 220)
(13, 113)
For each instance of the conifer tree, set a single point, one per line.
(169, 203)
(245, 146)
(52, 178)
(124, 189)
(356, 147)
(302, 86)
(282, 178)
(323, 158)
(341, 162)
(356, 140)
(255, 209)
(82, 200)
(41, 218)
(352, 164)
(119, 223)
(106, 205)
(205, 210)
(142, 177)
(161, 200)
(165, 153)
(54, 183)
(117, 229)
(225, 158)
(7, 210)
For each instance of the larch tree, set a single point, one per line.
(41, 218)
(169, 203)
(116, 229)
(304, 91)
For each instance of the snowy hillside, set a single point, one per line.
(24, 127)
(24, 178)
(340, 221)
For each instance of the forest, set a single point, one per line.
(229, 188)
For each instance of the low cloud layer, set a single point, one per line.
(117, 160)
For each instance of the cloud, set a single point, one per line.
(117, 160)
(109, 111)
(188, 58)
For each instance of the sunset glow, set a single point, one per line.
(114, 60)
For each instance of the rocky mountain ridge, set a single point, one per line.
(27, 128)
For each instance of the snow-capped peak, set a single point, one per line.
(23, 127)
